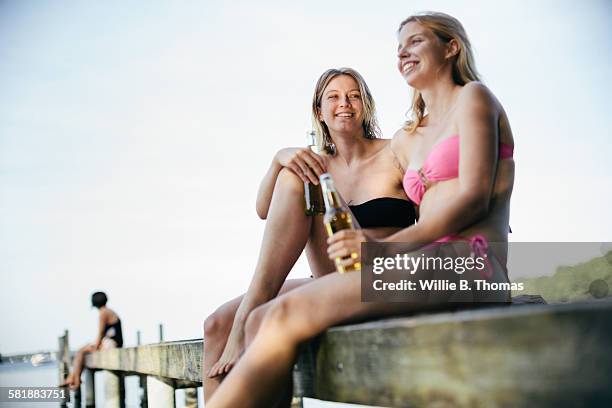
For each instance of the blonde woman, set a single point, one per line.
(366, 174)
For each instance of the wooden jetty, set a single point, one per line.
(505, 356)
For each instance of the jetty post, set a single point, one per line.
(64, 363)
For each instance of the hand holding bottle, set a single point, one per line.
(338, 219)
(344, 247)
(305, 163)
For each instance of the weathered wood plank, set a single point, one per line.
(538, 355)
(304, 369)
(174, 360)
(531, 355)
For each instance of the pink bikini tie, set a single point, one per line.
(480, 247)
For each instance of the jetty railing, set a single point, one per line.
(504, 356)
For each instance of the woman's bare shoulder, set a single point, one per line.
(401, 145)
(110, 316)
(478, 107)
(476, 95)
(383, 146)
(402, 137)
(479, 100)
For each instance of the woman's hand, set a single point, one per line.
(344, 247)
(305, 163)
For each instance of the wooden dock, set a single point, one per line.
(506, 356)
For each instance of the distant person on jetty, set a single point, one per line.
(109, 336)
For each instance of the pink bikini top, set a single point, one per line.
(441, 164)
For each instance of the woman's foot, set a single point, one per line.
(72, 382)
(231, 353)
(67, 382)
(76, 384)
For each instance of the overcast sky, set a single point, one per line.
(133, 138)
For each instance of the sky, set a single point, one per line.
(133, 138)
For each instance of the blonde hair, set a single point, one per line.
(446, 28)
(370, 124)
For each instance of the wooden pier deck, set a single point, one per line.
(509, 356)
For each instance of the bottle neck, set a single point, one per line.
(312, 142)
(330, 195)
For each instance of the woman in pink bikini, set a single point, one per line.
(457, 154)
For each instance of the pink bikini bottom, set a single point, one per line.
(479, 247)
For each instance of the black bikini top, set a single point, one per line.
(384, 212)
(114, 332)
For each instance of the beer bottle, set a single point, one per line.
(337, 217)
(313, 196)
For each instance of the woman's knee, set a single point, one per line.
(277, 314)
(289, 181)
(85, 349)
(217, 323)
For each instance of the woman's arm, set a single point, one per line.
(266, 188)
(478, 114)
(302, 161)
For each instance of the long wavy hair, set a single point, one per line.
(446, 28)
(371, 130)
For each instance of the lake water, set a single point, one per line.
(46, 375)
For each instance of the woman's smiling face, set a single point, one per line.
(342, 106)
(420, 54)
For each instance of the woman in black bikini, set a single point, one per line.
(109, 336)
(366, 174)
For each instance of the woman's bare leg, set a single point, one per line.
(289, 320)
(74, 378)
(285, 236)
(216, 331)
(277, 328)
(284, 394)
